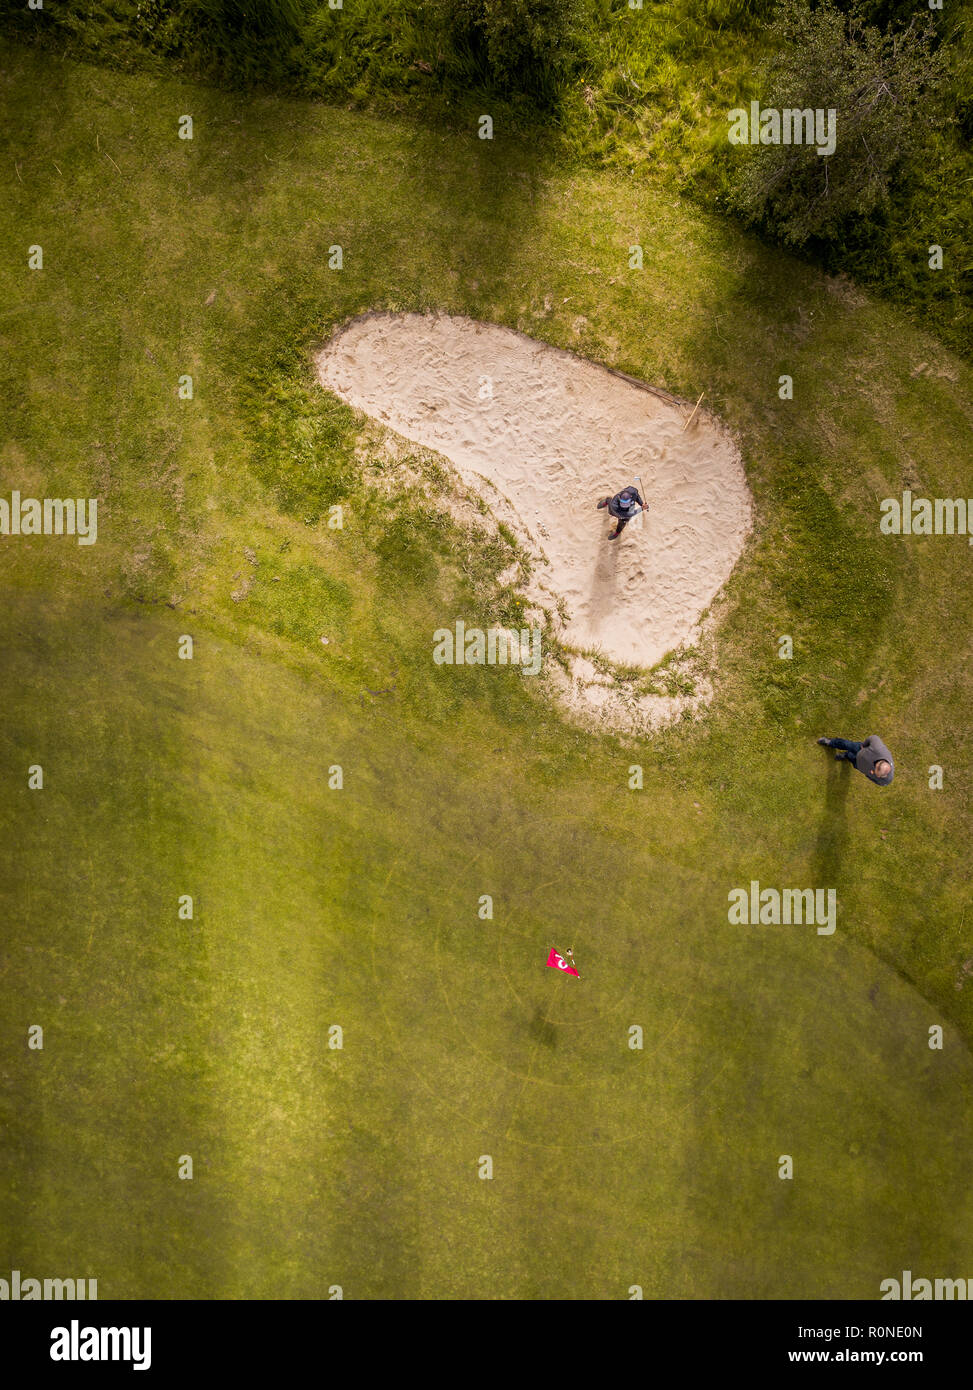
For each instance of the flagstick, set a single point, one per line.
(571, 954)
(695, 408)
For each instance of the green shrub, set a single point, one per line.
(245, 39)
(530, 46)
(883, 89)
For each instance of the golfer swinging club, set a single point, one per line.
(623, 507)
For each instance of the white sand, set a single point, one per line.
(557, 434)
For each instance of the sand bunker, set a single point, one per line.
(542, 435)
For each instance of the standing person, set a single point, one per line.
(623, 507)
(871, 757)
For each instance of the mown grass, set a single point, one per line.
(359, 907)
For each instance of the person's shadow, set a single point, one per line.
(832, 838)
(604, 580)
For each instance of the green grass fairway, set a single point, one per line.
(358, 1167)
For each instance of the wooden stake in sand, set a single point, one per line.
(695, 408)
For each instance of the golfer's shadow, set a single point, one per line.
(829, 849)
(604, 580)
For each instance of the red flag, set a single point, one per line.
(557, 962)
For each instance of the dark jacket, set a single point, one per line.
(616, 508)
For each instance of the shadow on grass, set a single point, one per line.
(829, 848)
(542, 1029)
(466, 210)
